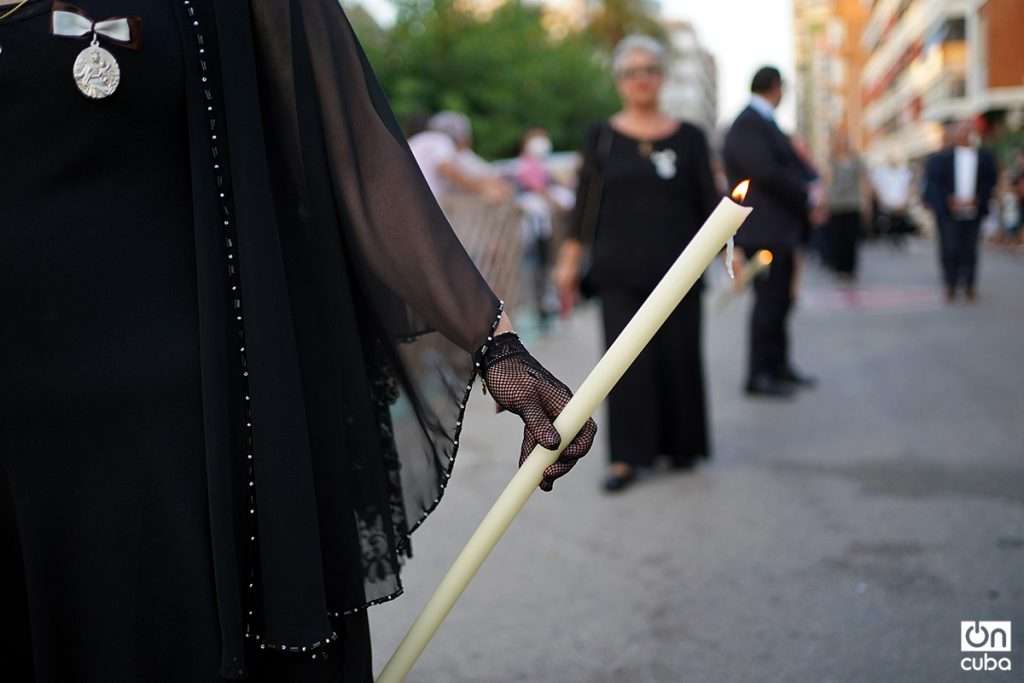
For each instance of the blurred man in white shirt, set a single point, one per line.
(959, 182)
(891, 183)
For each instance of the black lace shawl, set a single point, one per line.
(357, 313)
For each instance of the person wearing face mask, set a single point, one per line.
(645, 188)
(540, 198)
(531, 173)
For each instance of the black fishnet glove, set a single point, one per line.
(520, 384)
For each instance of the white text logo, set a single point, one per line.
(983, 638)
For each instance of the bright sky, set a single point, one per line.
(742, 34)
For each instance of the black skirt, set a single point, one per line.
(658, 407)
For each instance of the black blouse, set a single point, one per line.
(641, 207)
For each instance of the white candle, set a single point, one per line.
(720, 226)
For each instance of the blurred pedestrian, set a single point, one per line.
(891, 183)
(816, 218)
(811, 234)
(1016, 223)
(959, 183)
(847, 192)
(645, 188)
(446, 158)
(434, 152)
(782, 194)
(474, 171)
(540, 198)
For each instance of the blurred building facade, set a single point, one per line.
(930, 61)
(830, 58)
(691, 81)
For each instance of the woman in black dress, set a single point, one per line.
(222, 416)
(645, 188)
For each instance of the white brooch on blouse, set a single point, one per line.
(96, 72)
(664, 163)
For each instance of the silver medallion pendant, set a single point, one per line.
(96, 72)
(665, 163)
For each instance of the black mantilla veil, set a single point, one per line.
(351, 264)
(343, 158)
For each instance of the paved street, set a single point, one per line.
(841, 537)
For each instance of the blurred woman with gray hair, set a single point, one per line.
(645, 187)
(444, 152)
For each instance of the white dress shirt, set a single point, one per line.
(965, 160)
(892, 184)
(762, 107)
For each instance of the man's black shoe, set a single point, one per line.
(797, 379)
(769, 387)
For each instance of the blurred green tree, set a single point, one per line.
(502, 68)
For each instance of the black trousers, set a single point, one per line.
(895, 224)
(958, 252)
(658, 407)
(773, 299)
(844, 230)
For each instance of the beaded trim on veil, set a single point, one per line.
(418, 384)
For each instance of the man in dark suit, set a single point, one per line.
(959, 182)
(782, 193)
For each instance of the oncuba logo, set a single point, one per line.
(982, 638)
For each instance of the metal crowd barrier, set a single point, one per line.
(491, 235)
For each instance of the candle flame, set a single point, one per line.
(740, 193)
(764, 256)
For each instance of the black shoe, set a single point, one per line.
(614, 483)
(767, 386)
(797, 379)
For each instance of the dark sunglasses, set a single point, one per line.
(631, 72)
